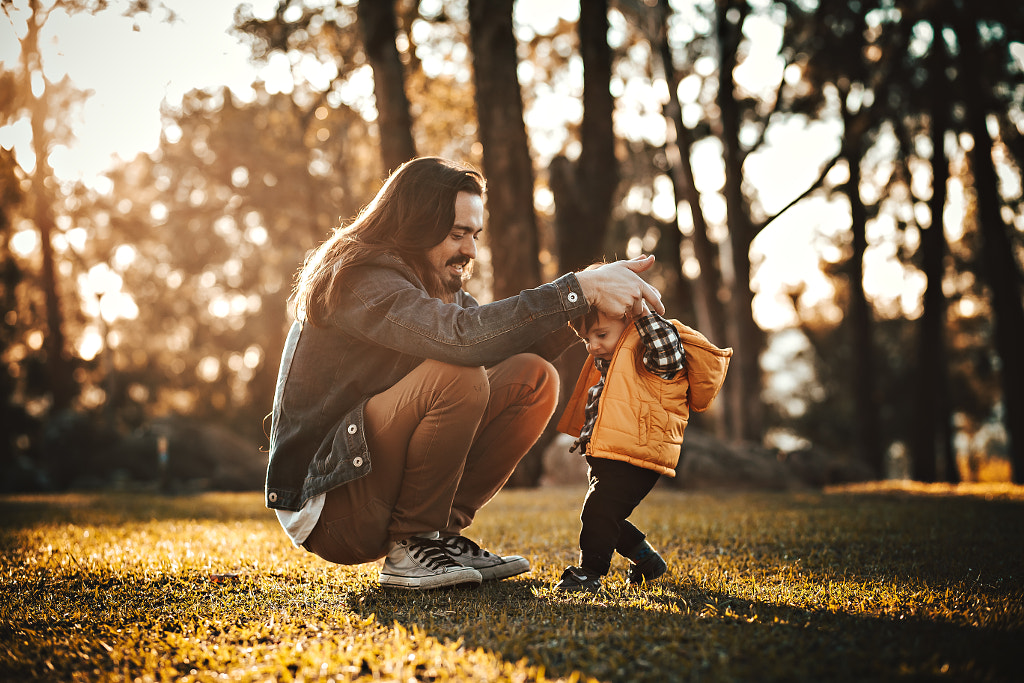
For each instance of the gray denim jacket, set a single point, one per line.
(385, 326)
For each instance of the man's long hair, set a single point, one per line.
(413, 211)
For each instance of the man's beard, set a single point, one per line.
(454, 282)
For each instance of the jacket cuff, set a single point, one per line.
(571, 294)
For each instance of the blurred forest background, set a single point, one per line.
(831, 187)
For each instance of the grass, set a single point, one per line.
(883, 582)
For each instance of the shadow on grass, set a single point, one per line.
(671, 631)
(119, 507)
(674, 631)
(873, 540)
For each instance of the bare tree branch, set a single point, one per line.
(817, 184)
(767, 119)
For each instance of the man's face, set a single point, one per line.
(453, 256)
(603, 335)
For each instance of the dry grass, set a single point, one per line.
(877, 582)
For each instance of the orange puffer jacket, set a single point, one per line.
(641, 417)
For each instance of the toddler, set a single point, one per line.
(628, 411)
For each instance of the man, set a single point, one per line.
(402, 405)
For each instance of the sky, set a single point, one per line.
(131, 65)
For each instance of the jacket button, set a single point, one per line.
(357, 461)
(272, 497)
(572, 297)
(352, 429)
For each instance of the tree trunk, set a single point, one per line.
(999, 267)
(12, 424)
(932, 429)
(512, 222)
(584, 191)
(710, 316)
(703, 291)
(58, 364)
(746, 338)
(598, 166)
(378, 26)
(861, 320)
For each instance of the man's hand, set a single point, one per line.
(616, 290)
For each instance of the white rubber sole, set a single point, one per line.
(465, 576)
(514, 566)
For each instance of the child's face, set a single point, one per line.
(603, 335)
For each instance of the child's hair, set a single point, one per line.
(584, 322)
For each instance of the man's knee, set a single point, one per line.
(465, 383)
(535, 372)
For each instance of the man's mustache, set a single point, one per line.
(458, 261)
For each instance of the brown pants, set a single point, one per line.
(443, 441)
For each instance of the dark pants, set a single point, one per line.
(616, 488)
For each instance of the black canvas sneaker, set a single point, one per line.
(575, 579)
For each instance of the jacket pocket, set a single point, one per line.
(644, 424)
